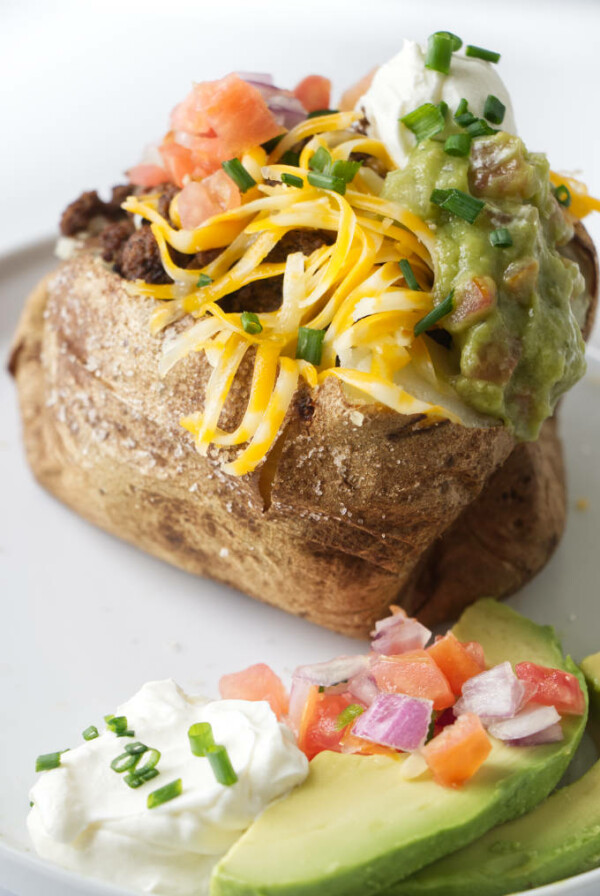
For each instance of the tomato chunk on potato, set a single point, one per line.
(257, 682)
(456, 662)
(414, 673)
(553, 687)
(458, 751)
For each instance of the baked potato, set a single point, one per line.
(352, 504)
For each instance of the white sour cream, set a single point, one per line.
(87, 819)
(403, 84)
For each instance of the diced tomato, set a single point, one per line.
(177, 160)
(257, 682)
(414, 673)
(318, 729)
(458, 751)
(456, 663)
(314, 92)
(200, 200)
(553, 687)
(475, 650)
(351, 96)
(350, 743)
(147, 175)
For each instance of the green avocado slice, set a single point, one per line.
(558, 839)
(591, 669)
(357, 826)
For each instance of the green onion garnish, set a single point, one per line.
(151, 758)
(221, 765)
(479, 128)
(346, 169)
(348, 715)
(118, 724)
(48, 761)
(320, 160)
(135, 779)
(292, 180)
(461, 204)
(239, 175)
(462, 107)
(424, 122)
(90, 733)
(327, 182)
(494, 109)
(434, 316)
(124, 762)
(250, 322)
(480, 53)
(458, 145)
(201, 738)
(290, 158)
(204, 280)
(136, 749)
(439, 52)
(456, 41)
(408, 274)
(318, 112)
(321, 689)
(310, 345)
(164, 794)
(270, 145)
(563, 195)
(501, 238)
(465, 119)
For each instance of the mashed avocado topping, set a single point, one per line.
(512, 345)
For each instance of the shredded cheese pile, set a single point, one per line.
(353, 289)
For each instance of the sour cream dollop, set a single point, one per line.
(403, 84)
(85, 817)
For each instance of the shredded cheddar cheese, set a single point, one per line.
(353, 290)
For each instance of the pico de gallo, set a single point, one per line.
(436, 699)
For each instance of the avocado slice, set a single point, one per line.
(558, 839)
(357, 826)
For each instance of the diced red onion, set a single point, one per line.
(395, 720)
(342, 668)
(399, 634)
(551, 735)
(256, 78)
(287, 109)
(363, 688)
(494, 694)
(525, 724)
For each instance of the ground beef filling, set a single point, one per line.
(134, 253)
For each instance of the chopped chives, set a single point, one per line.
(124, 762)
(425, 121)
(462, 107)
(348, 715)
(465, 119)
(118, 724)
(238, 174)
(563, 195)
(135, 779)
(481, 53)
(434, 316)
(321, 689)
(290, 158)
(90, 733)
(310, 345)
(501, 238)
(479, 128)
(494, 109)
(327, 182)
(318, 112)
(443, 108)
(320, 160)
(346, 169)
(136, 749)
(408, 274)
(460, 204)
(201, 738)
(164, 794)
(270, 145)
(47, 761)
(250, 322)
(292, 180)
(456, 41)
(204, 280)
(151, 758)
(221, 765)
(458, 145)
(440, 47)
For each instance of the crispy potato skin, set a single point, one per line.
(341, 520)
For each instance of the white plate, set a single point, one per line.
(87, 619)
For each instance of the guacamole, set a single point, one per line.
(512, 345)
